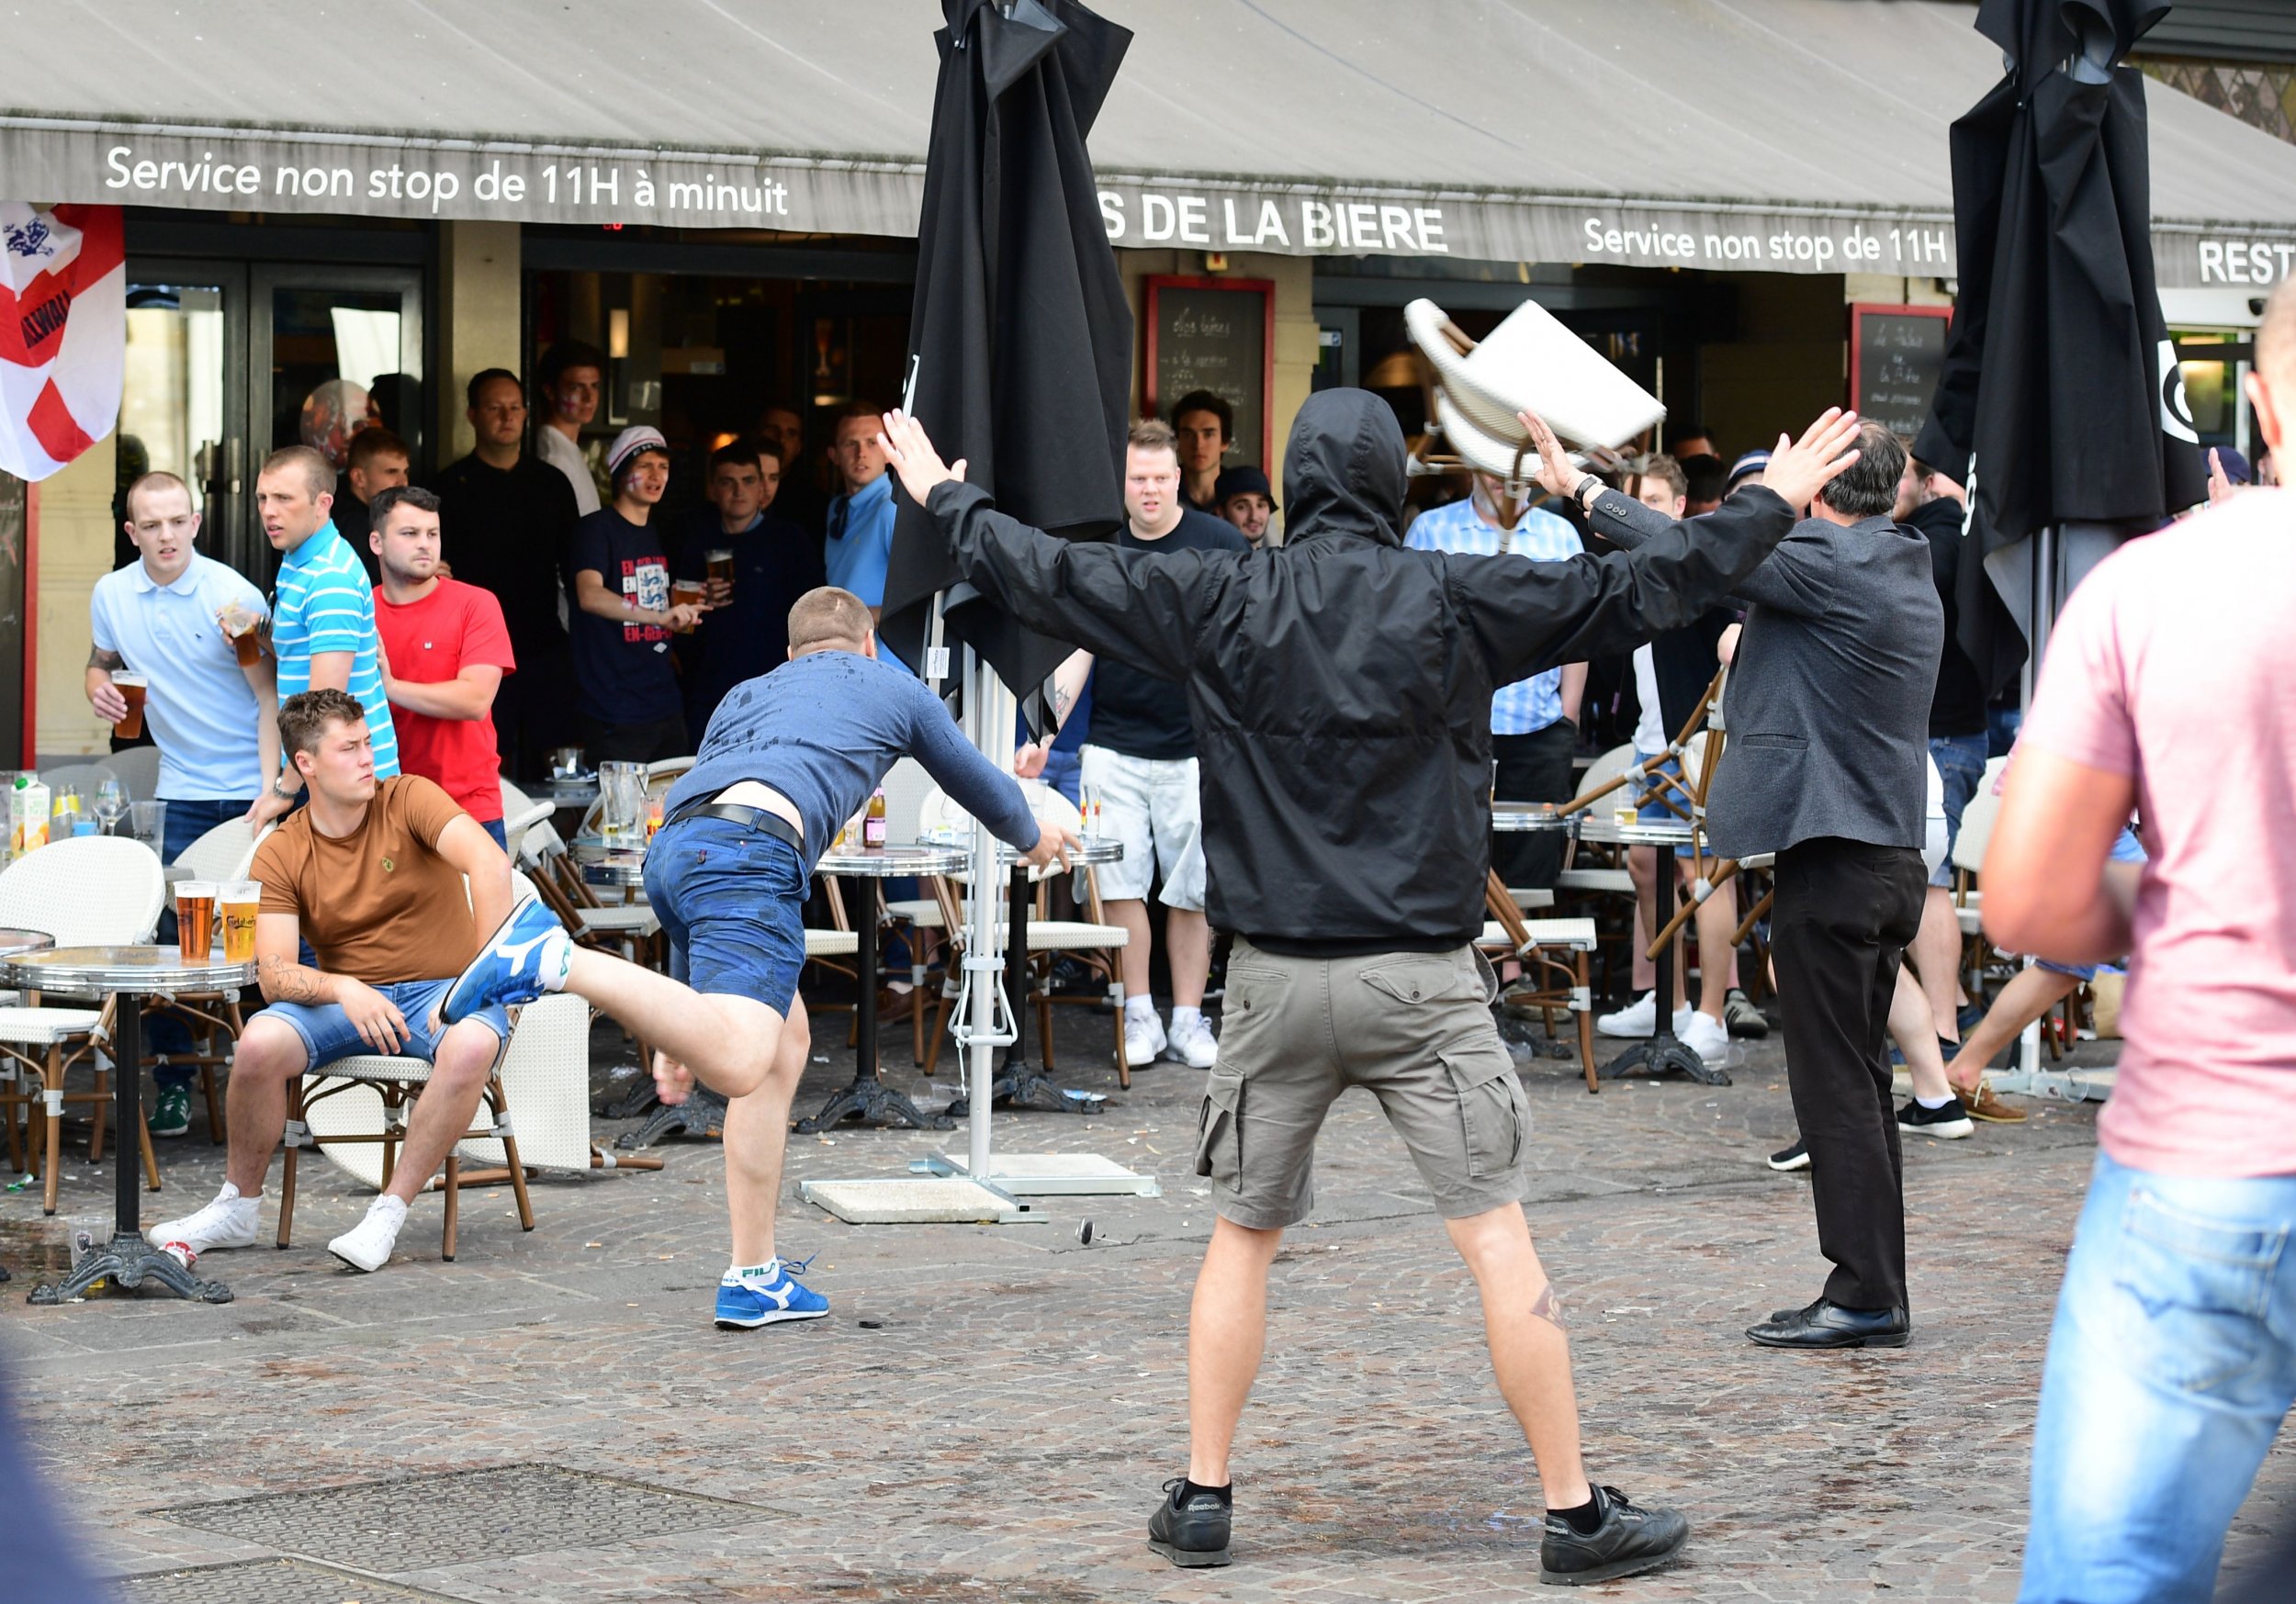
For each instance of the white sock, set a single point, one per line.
(232, 1194)
(1142, 1009)
(395, 1205)
(1935, 1101)
(1186, 1017)
(554, 974)
(735, 1274)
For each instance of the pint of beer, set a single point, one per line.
(720, 562)
(130, 687)
(238, 899)
(244, 626)
(194, 918)
(687, 593)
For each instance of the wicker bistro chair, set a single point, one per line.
(1550, 984)
(138, 768)
(354, 1112)
(96, 891)
(521, 812)
(1092, 940)
(214, 1018)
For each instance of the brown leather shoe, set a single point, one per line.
(1984, 1105)
(895, 1006)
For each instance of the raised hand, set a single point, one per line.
(1556, 476)
(910, 451)
(1798, 470)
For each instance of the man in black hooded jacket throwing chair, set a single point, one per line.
(1340, 687)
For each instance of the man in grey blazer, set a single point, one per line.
(1828, 710)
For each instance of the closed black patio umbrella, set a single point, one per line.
(1020, 339)
(2059, 402)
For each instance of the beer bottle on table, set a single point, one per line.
(874, 822)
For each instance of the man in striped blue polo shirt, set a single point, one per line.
(322, 615)
(1534, 722)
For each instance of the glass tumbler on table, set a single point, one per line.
(194, 918)
(621, 802)
(147, 821)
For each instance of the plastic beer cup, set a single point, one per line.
(239, 900)
(130, 687)
(194, 918)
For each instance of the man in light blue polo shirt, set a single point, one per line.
(216, 722)
(322, 619)
(860, 541)
(1534, 722)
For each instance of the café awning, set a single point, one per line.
(1786, 135)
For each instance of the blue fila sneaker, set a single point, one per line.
(528, 956)
(765, 1296)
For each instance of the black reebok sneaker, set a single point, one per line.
(1194, 1533)
(1630, 1540)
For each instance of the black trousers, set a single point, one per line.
(532, 714)
(1845, 914)
(1533, 768)
(643, 743)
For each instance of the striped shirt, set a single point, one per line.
(324, 603)
(1528, 704)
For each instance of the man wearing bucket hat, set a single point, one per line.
(626, 694)
(1340, 688)
(1244, 497)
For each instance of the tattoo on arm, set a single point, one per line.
(285, 980)
(100, 658)
(1061, 703)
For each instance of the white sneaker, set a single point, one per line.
(1193, 1041)
(1144, 1040)
(1640, 1019)
(227, 1222)
(366, 1245)
(1708, 1037)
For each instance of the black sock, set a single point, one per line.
(1586, 1518)
(1190, 1489)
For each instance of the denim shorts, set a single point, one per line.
(329, 1034)
(1651, 810)
(2125, 849)
(1960, 765)
(733, 899)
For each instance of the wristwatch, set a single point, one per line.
(280, 791)
(1577, 492)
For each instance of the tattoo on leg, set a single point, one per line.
(1547, 1307)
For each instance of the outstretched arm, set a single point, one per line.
(1528, 617)
(1148, 612)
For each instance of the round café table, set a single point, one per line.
(1019, 1084)
(868, 1097)
(128, 975)
(17, 940)
(1664, 1052)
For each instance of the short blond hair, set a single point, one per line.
(827, 616)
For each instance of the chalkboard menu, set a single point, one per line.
(1895, 354)
(1215, 335)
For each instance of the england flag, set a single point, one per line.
(63, 332)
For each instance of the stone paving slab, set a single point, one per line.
(1000, 1429)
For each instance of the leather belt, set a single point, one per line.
(772, 823)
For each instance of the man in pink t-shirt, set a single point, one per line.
(2170, 688)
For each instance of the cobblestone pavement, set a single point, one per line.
(989, 1410)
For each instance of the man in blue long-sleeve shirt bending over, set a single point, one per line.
(789, 757)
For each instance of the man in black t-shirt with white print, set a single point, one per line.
(1140, 763)
(625, 687)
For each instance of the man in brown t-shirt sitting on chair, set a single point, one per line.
(372, 876)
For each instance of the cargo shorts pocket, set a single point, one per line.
(1423, 980)
(1220, 1128)
(1494, 1114)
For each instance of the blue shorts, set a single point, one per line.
(733, 899)
(1960, 761)
(2125, 849)
(329, 1034)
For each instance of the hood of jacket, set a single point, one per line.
(1343, 469)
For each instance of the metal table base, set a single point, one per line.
(1020, 1084)
(127, 1260)
(1665, 1053)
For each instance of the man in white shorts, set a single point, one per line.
(1139, 763)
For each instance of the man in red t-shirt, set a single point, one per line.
(446, 649)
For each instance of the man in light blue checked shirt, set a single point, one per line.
(322, 616)
(1534, 722)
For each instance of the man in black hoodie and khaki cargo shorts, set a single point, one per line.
(1340, 687)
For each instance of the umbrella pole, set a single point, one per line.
(988, 710)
